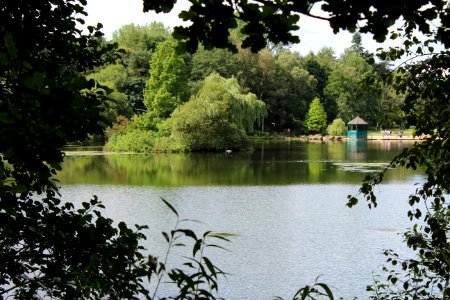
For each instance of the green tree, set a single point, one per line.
(49, 249)
(132, 37)
(167, 87)
(113, 77)
(426, 84)
(319, 72)
(320, 66)
(354, 88)
(357, 47)
(391, 102)
(219, 116)
(316, 119)
(220, 61)
(130, 73)
(294, 89)
(281, 82)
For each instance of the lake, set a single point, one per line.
(285, 200)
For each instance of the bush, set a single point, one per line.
(337, 128)
(135, 140)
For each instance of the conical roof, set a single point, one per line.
(357, 121)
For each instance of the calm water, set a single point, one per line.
(285, 200)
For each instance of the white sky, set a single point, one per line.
(314, 34)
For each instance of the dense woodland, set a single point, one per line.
(50, 249)
(158, 92)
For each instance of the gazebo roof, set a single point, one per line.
(357, 121)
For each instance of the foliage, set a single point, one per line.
(132, 37)
(132, 140)
(337, 128)
(281, 81)
(427, 275)
(318, 289)
(319, 72)
(135, 135)
(197, 278)
(220, 61)
(276, 21)
(218, 117)
(293, 89)
(284, 80)
(66, 253)
(129, 73)
(120, 125)
(47, 248)
(316, 119)
(45, 100)
(115, 103)
(353, 86)
(114, 75)
(320, 65)
(167, 87)
(391, 102)
(139, 43)
(425, 85)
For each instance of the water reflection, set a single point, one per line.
(357, 149)
(270, 163)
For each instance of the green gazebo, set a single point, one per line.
(357, 128)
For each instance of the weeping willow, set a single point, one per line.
(244, 110)
(218, 116)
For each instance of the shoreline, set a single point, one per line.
(340, 138)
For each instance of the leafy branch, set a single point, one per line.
(199, 277)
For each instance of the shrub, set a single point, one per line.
(135, 140)
(337, 128)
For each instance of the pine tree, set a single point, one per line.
(316, 119)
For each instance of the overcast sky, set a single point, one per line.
(314, 34)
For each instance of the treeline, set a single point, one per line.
(164, 100)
